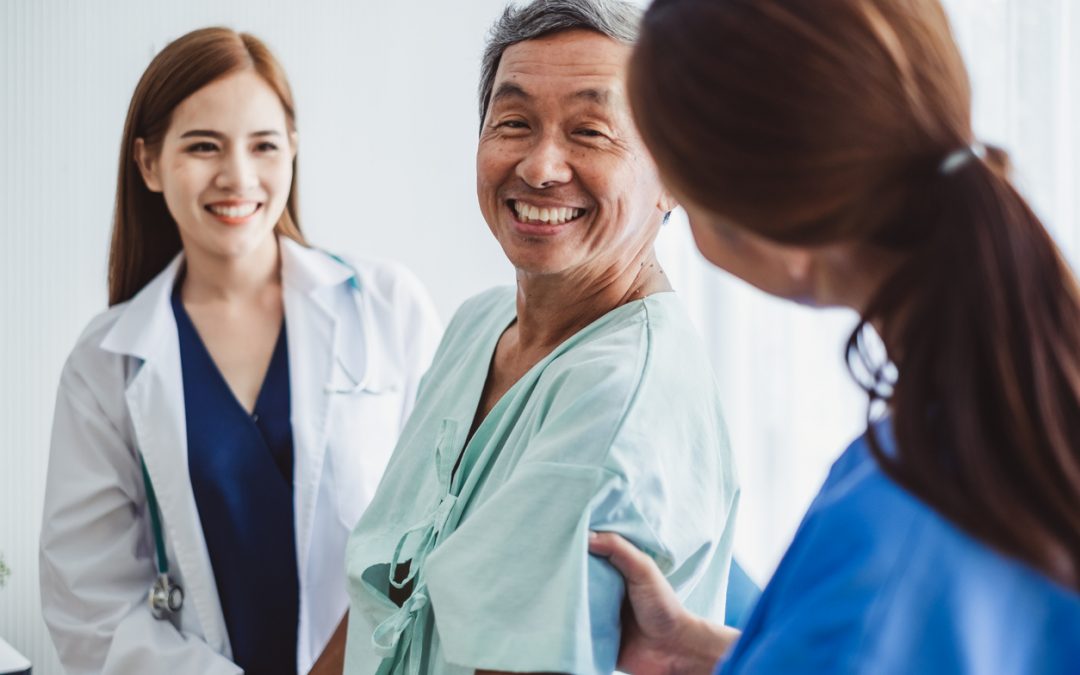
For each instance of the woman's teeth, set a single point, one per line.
(230, 211)
(548, 216)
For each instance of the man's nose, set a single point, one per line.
(545, 164)
(237, 173)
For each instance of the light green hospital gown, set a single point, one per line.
(618, 429)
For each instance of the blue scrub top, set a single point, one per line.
(241, 474)
(877, 582)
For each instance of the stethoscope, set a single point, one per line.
(362, 384)
(356, 385)
(166, 597)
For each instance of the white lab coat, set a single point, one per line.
(356, 354)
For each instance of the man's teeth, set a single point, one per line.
(240, 211)
(551, 216)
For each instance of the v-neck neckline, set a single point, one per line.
(253, 416)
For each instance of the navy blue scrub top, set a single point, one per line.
(241, 470)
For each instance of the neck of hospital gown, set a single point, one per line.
(877, 582)
(618, 429)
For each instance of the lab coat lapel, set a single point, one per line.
(155, 399)
(311, 289)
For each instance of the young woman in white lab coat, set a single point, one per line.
(220, 311)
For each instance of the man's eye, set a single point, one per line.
(589, 133)
(513, 124)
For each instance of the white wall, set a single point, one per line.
(387, 114)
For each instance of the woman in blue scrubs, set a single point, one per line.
(824, 153)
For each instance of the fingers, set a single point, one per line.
(634, 564)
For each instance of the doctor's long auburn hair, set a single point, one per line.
(819, 121)
(145, 237)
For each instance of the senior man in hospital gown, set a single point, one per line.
(580, 399)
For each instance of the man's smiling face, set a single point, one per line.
(564, 181)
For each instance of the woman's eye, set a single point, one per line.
(202, 147)
(266, 146)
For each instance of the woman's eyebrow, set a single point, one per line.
(220, 136)
(203, 132)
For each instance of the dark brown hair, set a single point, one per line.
(145, 237)
(818, 121)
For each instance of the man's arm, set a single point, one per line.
(659, 635)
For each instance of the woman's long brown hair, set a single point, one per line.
(818, 121)
(145, 237)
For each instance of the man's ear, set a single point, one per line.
(148, 166)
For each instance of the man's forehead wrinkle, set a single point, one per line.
(599, 93)
(587, 82)
(570, 68)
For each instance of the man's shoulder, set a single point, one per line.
(646, 379)
(650, 351)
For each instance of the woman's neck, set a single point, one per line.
(246, 278)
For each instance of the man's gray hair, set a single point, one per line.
(618, 19)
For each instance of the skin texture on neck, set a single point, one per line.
(551, 309)
(246, 279)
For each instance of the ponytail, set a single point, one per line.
(984, 318)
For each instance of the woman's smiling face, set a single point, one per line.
(224, 166)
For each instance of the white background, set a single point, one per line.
(387, 114)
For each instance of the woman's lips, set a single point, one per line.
(233, 213)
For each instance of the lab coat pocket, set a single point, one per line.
(363, 431)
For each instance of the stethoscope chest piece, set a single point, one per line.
(166, 598)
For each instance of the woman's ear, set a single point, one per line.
(799, 263)
(294, 139)
(148, 166)
(667, 201)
